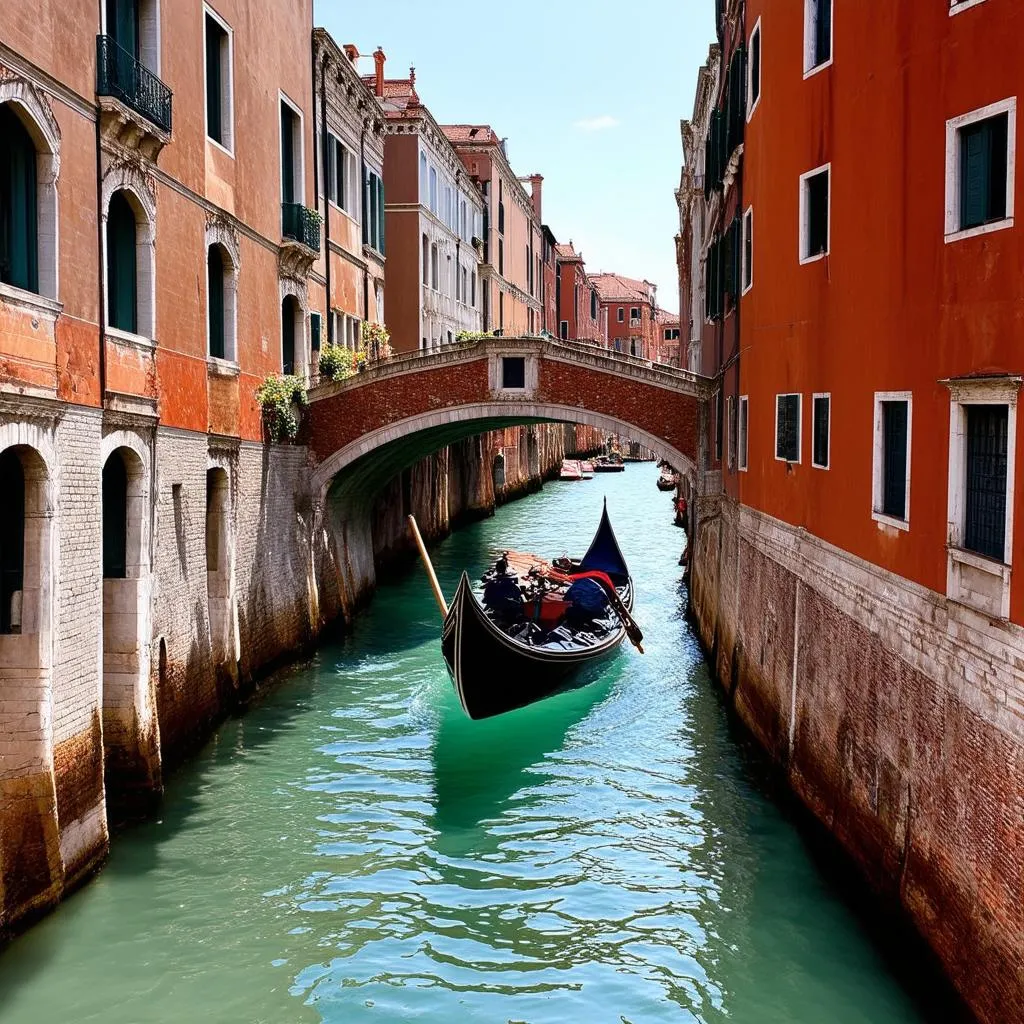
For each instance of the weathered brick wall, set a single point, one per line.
(898, 718)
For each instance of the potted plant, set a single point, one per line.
(281, 398)
(336, 363)
(376, 341)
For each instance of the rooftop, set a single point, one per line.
(616, 286)
(481, 134)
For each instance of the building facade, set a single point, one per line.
(856, 554)
(581, 317)
(157, 263)
(434, 214)
(630, 310)
(511, 283)
(667, 339)
(549, 282)
(349, 174)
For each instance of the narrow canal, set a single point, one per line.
(354, 849)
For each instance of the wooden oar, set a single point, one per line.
(431, 575)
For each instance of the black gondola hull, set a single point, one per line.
(494, 673)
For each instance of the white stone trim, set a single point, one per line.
(521, 411)
(960, 562)
(35, 114)
(126, 178)
(828, 454)
(748, 228)
(220, 233)
(956, 6)
(878, 458)
(953, 232)
(288, 286)
(495, 371)
(804, 220)
(755, 31)
(227, 87)
(809, 23)
(799, 428)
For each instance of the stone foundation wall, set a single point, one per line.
(897, 717)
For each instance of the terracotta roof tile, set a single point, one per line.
(482, 134)
(616, 286)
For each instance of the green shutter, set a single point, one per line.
(380, 216)
(122, 306)
(366, 207)
(823, 32)
(19, 251)
(315, 330)
(215, 300)
(214, 128)
(287, 154)
(288, 335)
(975, 153)
(123, 24)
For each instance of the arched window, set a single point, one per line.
(122, 265)
(115, 518)
(291, 334)
(19, 246)
(426, 260)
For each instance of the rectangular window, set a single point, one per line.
(731, 421)
(564, 330)
(743, 431)
(472, 289)
(817, 35)
(513, 372)
(787, 428)
(718, 428)
(985, 505)
(814, 213)
(373, 211)
(754, 69)
(980, 170)
(337, 173)
(315, 330)
(634, 313)
(821, 424)
(433, 190)
(891, 459)
(501, 256)
(292, 184)
(218, 82)
(621, 314)
(748, 249)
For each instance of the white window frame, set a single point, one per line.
(960, 562)
(755, 31)
(953, 127)
(300, 145)
(799, 428)
(828, 452)
(956, 6)
(743, 439)
(813, 69)
(878, 457)
(804, 223)
(748, 226)
(621, 315)
(228, 99)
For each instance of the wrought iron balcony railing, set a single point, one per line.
(120, 74)
(302, 224)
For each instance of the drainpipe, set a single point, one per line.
(317, 156)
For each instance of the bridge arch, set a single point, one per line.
(378, 455)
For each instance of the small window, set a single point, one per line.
(593, 305)
(501, 256)
(732, 422)
(787, 428)
(814, 213)
(426, 260)
(821, 423)
(338, 170)
(817, 35)
(513, 372)
(373, 211)
(748, 250)
(622, 314)
(891, 459)
(435, 268)
(743, 430)
(564, 330)
(754, 69)
(985, 505)
(718, 428)
(980, 170)
(218, 82)
(634, 313)
(315, 330)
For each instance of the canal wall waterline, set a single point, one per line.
(853, 680)
(235, 570)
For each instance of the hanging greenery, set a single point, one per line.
(473, 335)
(277, 394)
(337, 363)
(376, 339)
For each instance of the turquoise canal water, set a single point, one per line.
(354, 849)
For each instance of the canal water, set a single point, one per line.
(354, 849)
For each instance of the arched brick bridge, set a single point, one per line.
(377, 423)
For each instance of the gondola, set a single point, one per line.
(512, 647)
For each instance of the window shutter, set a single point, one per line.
(215, 300)
(19, 250)
(214, 128)
(974, 174)
(315, 330)
(380, 216)
(367, 208)
(287, 155)
(121, 299)
(824, 31)
(894, 439)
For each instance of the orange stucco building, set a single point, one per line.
(511, 274)
(851, 265)
(630, 308)
(581, 316)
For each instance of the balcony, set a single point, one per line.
(121, 75)
(301, 224)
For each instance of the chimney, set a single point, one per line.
(378, 60)
(536, 181)
(352, 52)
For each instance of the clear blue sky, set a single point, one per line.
(591, 98)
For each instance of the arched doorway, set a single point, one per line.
(498, 471)
(130, 745)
